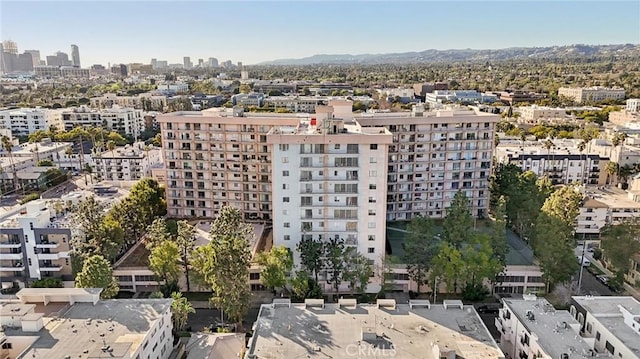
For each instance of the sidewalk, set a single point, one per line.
(629, 289)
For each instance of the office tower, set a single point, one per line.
(10, 47)
(200, 62)
(154, 63)
(75, 56)
(213, 62)
(187, 62)
(35, 55)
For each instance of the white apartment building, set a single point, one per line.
(611, 325)
(32, 246)
(75, 323)
(304, 104)
(144, 101)
(607, 205)
(128, 163)
(330, 181)
(531, 328)
(562, 164)
(173, 87)
(633, 105)
(123, 120)
(433, 156)
(23, 121)
(535, 112)
(591, 94)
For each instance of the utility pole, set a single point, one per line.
(584, 247)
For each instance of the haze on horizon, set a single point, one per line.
(253, 32)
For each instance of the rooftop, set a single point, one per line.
(608, 311)
(556, 330)
(119, 324)
(608, 196)
(371, 332)
(215, 345)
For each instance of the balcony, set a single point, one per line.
(50, 268)
(11, 256)
(48, 256)
(47, 244)
(16, 267)
(10, 244)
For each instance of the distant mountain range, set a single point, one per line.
(466, 55)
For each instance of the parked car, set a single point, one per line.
(603, 278)
(489, 308)
(585, 262)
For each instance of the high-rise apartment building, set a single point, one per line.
(329, 181)
(35, 56)
(10, 47)
(212, 62)
(75, 56)
(215, 158)
(187, 62)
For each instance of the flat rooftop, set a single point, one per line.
(609, 196)
(607, 311)
(85, 328)
(334, 332)
(548, 325)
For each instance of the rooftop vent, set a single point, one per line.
(530, 315)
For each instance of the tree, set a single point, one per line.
(224, 263)
(419, 249)
(111, 146)
(276, 267)
(311, 255)
(611, 169)
(479, 260)
(581, 147)
(48, 283)
(8, 147)
(45, 163)
(447, 266)
(303, 286)
(458, 223)
(163, 261)
(358, 270)
(620, 244)
(499, 232)
(564, 204)
(180, 310)
(186, 243)
(245, 88)
(93, 233)
(553, 246)
(97, 273)
(157, 233)
(54, 177)
(334, 262)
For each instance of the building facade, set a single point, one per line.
(128, 121)
(591, 94)
(24, 121)
(329, 182)
(144, 101)
(129, 163)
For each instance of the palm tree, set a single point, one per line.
(8, 146)
(581, 147)
(612, 169)
(180, 309)
(548, 144)
(111, 145)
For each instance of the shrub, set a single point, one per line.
(30, 197)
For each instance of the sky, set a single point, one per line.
(254, 31)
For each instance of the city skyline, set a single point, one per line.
(262, 31)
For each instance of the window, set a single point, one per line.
(254, 276)
(589, 327)
(373, 173)
(283, 147)
(337, 146)
(372, 200)
(285, 199)
(372, 237)
(371, 250)
(285, 159)
(597, 335)
(285, 186)
(287, 224)
(7, 346)
(372, 160)
(285, 173)
(372, 225)
(373, 146)
(372, 186)
(287, 237)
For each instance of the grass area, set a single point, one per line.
(197, 296)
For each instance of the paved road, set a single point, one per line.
(591, 285)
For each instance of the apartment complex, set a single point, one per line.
(128, 163)
(591, 94)
(433, 156)
(23, 121)
(610, 324)
(535, 112)
(383, 330)
(329, 179)
(75, 323)
(123, 120)
(32, 245)
(144, 101)
(563, 163)
(215, 156)
(607, 205)
(532, 328)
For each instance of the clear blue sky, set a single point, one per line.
(136, 31)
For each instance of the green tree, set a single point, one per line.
(224, 263)
(553, 246)
(163, 261)
(180, 310)
(54, 177)
(276, 267)
(48, 283)
(186, 244)
(93, 233)
(245, 88)
(311, 252)
(499, 232)
(458, 223)
(419, 249)
(447, 265)
(97, 273)
(479, 260)
(334, 262)
(157, 233)
(111, 146)
(620, 244)
(564, 204)
(358, 270)
(45, 163)
(8, 147)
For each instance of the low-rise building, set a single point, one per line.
(127, 121)
(23, 121)
(533, 328)
(128, 163)
(249, 99)
(144, 101)
(516, 97)
(591, 94)
(461, 96)
(34, 244)
(304, 104)
(75, 323)
(563, 163)
(606, 205)
(610, 324)
(633, 105)
(383, 330)
(535, 112)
